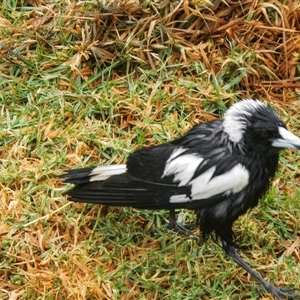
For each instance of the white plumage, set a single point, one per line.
(104, 172)
(205, 185)
(235, 123)
(182, 167)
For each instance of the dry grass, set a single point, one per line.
(85, 82)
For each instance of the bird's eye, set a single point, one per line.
(264, 134)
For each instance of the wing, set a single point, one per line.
(194, 171)
(114, 186)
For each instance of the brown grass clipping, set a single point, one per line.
(258, 38)
(225, 36)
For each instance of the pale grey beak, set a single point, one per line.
(286, 140)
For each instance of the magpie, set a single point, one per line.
(219, 169)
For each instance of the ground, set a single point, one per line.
(87, 82)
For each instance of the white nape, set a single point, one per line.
(235, 122)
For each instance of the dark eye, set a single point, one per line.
(264, 134)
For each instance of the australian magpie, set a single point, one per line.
(219, 169)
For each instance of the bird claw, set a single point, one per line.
(181, 229)
(277, 292)
(286, 293)
(281, 293)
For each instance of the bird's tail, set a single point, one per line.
(85, 175)
(113, 186)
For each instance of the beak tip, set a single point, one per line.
(287, 140)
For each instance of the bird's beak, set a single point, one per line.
(286, 140)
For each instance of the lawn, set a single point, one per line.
(88, 82)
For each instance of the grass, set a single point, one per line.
(85, 83)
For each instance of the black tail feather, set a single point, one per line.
(77, 176)
(120, 190)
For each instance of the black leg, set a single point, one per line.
(276, 292)
(173, 225)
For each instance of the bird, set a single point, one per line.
(218, 169)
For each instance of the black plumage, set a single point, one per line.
(220, 169)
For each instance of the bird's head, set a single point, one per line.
(255, 125)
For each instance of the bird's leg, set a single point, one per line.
(182, 229)
(276, 292)
(175, 226)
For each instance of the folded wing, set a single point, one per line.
(181, 174)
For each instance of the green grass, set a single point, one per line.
(88, 83)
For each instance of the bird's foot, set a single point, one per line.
(280, 293)
(277, 292)
(182, 229)
(175, 226)
(179, 228)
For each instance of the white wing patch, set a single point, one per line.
(104, 172)
(233, 181)
(205, 186)
(179, 198)
(182, 167)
